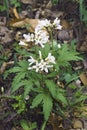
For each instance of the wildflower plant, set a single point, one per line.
(42, 67)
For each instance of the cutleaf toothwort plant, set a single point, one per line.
(42, 67)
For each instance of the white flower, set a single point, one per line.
(27, 97)
(46, 23)
(2, 89)
(31, 60)
(41, 65)
(44, 66)
(50, 59)
(42, 24)
(41, 38)
(29, 37)
(32, 37)
(56, 24)
(59, 46)
(22, 43)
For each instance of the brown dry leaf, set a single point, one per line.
(55, 121)
(49, 5)
(82, 47)
(65, 24)
(5, 35)
(2, 21)
(84, 111)
(83, 78)
(15, 13)
(77, 124)
(46, 13)
(30, 24)
(3, 67)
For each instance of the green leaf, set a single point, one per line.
(52, 74)
(24, 64)
(66, 55)
(17, 82)
(46, 50)
(39, 90)
(62, 98)
(15, 69)
(47, 106)
(68, 77)
(27, 87)
(24, 125)
(21, 67)
(33, 125)
(2, 8)
(18, 77)
(37, 100)
(16, 86)
(51, 86)
(54, 1)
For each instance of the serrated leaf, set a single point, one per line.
(18, 77)
(17, 86)
(39, 90)
(68, 77)
(51, 86)
(47, 106)
(27, 87)
(52, 74)
(15, 69)
(62, 98)
(66, 55)
(18, 81)
(24, 64)
(37, 100)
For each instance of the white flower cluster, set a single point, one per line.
(28, 38)
(56, 24)
(41, 36)
(42, 64)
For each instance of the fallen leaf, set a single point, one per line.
(83, 111)
(2, 21)
(49, 5)
(5, 35)
(56, 122)
(3, 67)
(15, 13)
(83, 78)
(30, 24)
(65, 24)
(77, 124)
(82, 47)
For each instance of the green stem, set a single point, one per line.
(51, 36)
(6, 4)
(44, 125)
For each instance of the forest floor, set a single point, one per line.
(11, 29)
